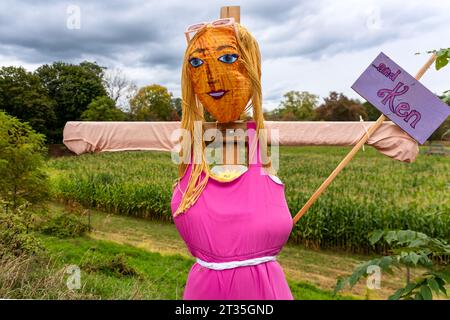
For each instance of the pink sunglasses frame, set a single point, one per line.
(224, 22)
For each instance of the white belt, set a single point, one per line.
(234, 264)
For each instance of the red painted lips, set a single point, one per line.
(217, 94)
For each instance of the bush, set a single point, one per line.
(22, 178)
(14, 242)
(64, 225)
(116, 265)
(410, 250)
(16, 234)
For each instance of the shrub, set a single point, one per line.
(16, 234)
(64, 225)
(410, 249)
(116, 265)
(22, 178)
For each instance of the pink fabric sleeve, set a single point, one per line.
(97, 136)
(389, 139)
(92, 136)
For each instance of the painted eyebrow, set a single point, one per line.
(199, 50)
(224, 47)
(219, 48)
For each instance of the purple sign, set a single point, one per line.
(401, 98)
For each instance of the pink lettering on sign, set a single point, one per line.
(401, 98)
(402, 109)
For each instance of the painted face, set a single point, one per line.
(220, 80)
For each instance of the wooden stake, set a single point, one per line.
(228, 12)
(231, 12)
(355, 149)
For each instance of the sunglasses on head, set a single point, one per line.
(224, 22)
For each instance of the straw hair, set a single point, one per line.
(192, 111)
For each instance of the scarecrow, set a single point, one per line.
(234, 227)
(233, 217)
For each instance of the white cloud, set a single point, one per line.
(318, 46)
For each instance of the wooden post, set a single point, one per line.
(355, 149)
(231, 12)
(223, 127)
(228, 12)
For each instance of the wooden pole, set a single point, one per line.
(355, 149)
(231, 12)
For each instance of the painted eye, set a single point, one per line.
(228, 58)
(196, 62)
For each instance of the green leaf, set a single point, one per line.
(442, 52)
(414, 257)
(385, 262)
(397, 294)
(425, 292)
(354, 278)
(441, 61)
(433, 285)
(441, 284)
(340, 284)
(418, 296)
(390, 236)
(409, 288)
(443, 275)
(416, 243)
(376, 236)
(404, 235)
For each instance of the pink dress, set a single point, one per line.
(243, 219)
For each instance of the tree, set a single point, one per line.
(177, 104)
(22, 175)
(23, 95)
(152, 103)
(443, 132)
(372, 113)
(103, 109)
(268, 115)
(337, 107)
(119, 88)
(72, 87)
(296, 106)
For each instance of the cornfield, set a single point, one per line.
(373, 191)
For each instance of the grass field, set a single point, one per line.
(152, 247)
(156, 276)
(373, 192)
(132, 258)
(129, 193)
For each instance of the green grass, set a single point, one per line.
(157, 276)
(301, 265)
(305, 291)
(372, 192)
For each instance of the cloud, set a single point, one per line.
(146, 40)
(343, 26)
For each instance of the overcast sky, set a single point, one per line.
(315, 46)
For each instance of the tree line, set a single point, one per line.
(59, 92)
(305, 106)
(56, 93)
